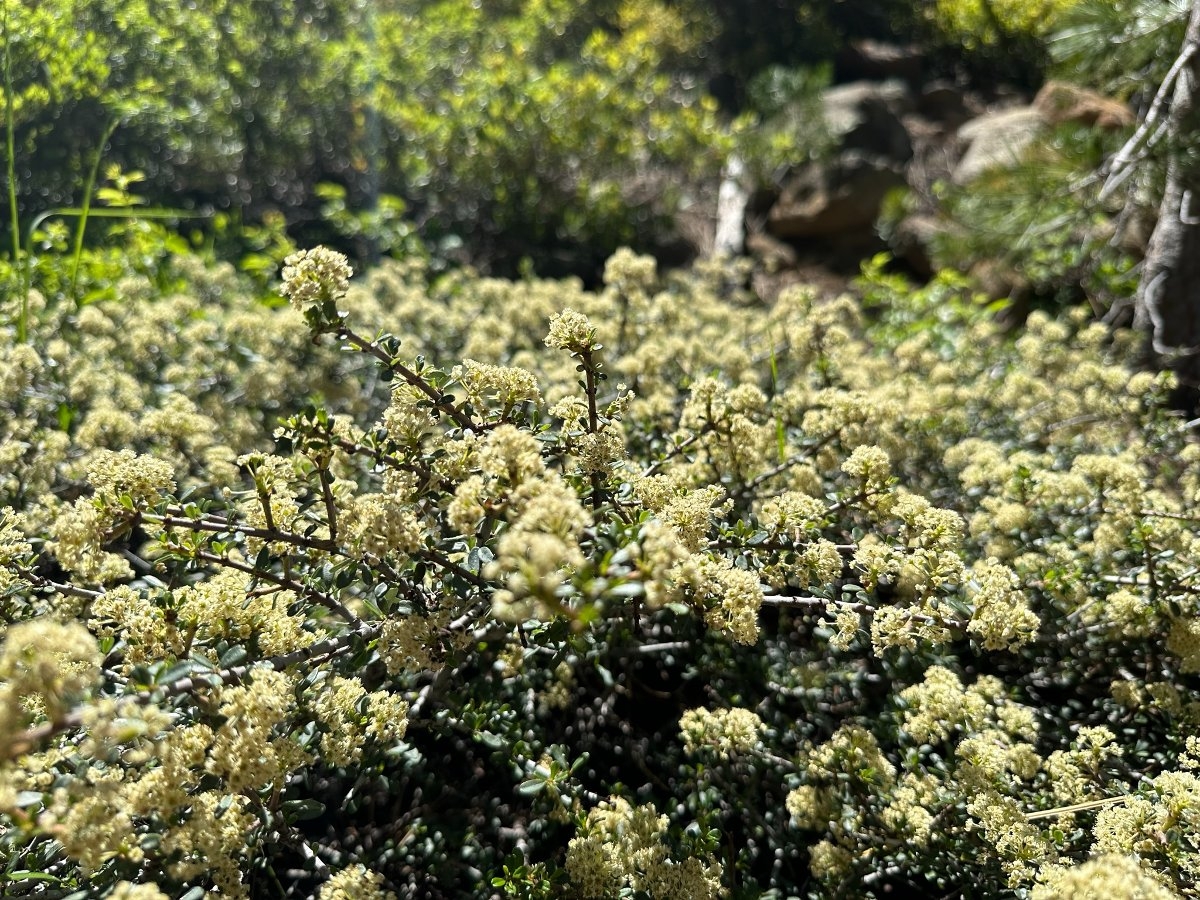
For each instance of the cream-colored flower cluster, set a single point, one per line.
(220, 608)
(733, 598)
(123, 483)
(355, 883)
(601, 452)
(125, 890)
(1001, 617)
(93, 811)
(729, 598)
(793, 514)
(940, 706)
(1134, 827)
(380, 525)
(726, 731)
(15, 549)
(570, 330)
(46, 668)
(1076, 774)
(854, 752)
(411, 643)
(843, 777)
(690, 513)
(275, 503)
(504, 386)
(622, 847)
(1020, 845)
(351, 715)
(1103, 876)
(539, 548)
(732, 425)
(408, 419)
(311, 277)
(630, 273)
(910, 808)
(246, 751)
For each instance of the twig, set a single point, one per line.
(1162, 514)
(663, 647)
(792, 460)
(302, 590)
(466, 574)
(863, 609)
(1120, 168)
(67, 590)
(330, 505)
(217, 525)
(439, 400)
(653, 468)
(1074, 808)
(589, 375)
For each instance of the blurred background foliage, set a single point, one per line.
(540, 129)
(522, 136)
(498, 123)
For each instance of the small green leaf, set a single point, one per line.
(300, 810)
(31, 876)
(233, 656)
(150, 842)
(488, 739)
(531, 787)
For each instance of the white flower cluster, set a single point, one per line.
(726, 731)
(313, 277)
(621, 847)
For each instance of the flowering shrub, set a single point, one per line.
(528, 128)
(657, 590)
(985, 22)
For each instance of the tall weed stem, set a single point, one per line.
(88, 188)
(10, 153)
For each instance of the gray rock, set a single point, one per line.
(943, 101)
(878, 60)
(866, 116)
(997, 139)
(840, 199)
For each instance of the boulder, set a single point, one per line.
(824, 200)
(997, 139)
(774, 254)
(1060, 102)
(879, 61)
(944, 102)
(866, 116)
(911, 241)
(840, 198)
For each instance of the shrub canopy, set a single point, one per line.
(657, 588)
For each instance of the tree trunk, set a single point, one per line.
(1168, 297)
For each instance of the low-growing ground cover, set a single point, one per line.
(457, 586)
